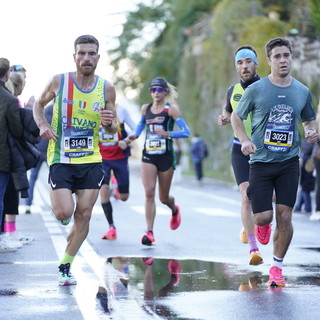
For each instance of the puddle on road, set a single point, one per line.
(169, 276)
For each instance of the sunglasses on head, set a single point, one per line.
(18, 67)
(157, 89)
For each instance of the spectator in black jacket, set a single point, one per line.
(24, 156)
(10, 122)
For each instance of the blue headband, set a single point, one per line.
(245, 53)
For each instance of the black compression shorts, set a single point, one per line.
(163, 162)
(240, 164)
(281, 177)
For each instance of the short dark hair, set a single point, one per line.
(247, 46)
(4, 66)
(86, 39)
(277, 42)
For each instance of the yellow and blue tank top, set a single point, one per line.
(76, 120)
(236, 95)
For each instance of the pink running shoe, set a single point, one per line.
(263, 233)
(111, 234)
(147, 261)
(175, 219)
(148, 239)
(114, 187)
(275, 277)
(175, 270)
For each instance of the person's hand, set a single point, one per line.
(161, 132)
(46, 132)
(123, 144)
(311, 135)
(106, 117)
(30, 102)
(131, 137)
(248, 147)
(222, 120)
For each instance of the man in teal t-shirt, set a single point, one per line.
(276, 102)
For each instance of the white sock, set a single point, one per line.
(277, 262)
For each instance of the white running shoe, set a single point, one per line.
(11, 242)
(19, 237)
(5, 245)
(315, 216)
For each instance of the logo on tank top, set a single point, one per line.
(97, 106)
(156, 120)
(82, 104)
(65, 100)
(237, 97)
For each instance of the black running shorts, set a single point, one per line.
(281, 177)
(163, 162)
(240, 164)
(76, 176)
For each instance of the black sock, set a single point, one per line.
(107, 208)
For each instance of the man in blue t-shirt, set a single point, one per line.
(276, 103)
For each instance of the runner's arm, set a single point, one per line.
(108, 113)
(184, 131)
(47, 95)
(247, 146)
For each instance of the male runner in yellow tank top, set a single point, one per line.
(246, 63)
(82, 101)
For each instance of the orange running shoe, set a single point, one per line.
(243, 236)
(255, 258)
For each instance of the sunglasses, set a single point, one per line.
(17, 68)
(159, 90)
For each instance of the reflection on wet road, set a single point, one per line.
(168, 288)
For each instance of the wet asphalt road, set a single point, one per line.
(199, 271)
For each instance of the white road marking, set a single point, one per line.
(160, 210)
(217, 212)
(225, 200)
(210, 211)
(86, 289)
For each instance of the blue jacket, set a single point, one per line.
(198, 149)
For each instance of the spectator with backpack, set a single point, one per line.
(199, 151)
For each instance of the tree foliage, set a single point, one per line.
(167, 38)
(161, 56)
(315, 13)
